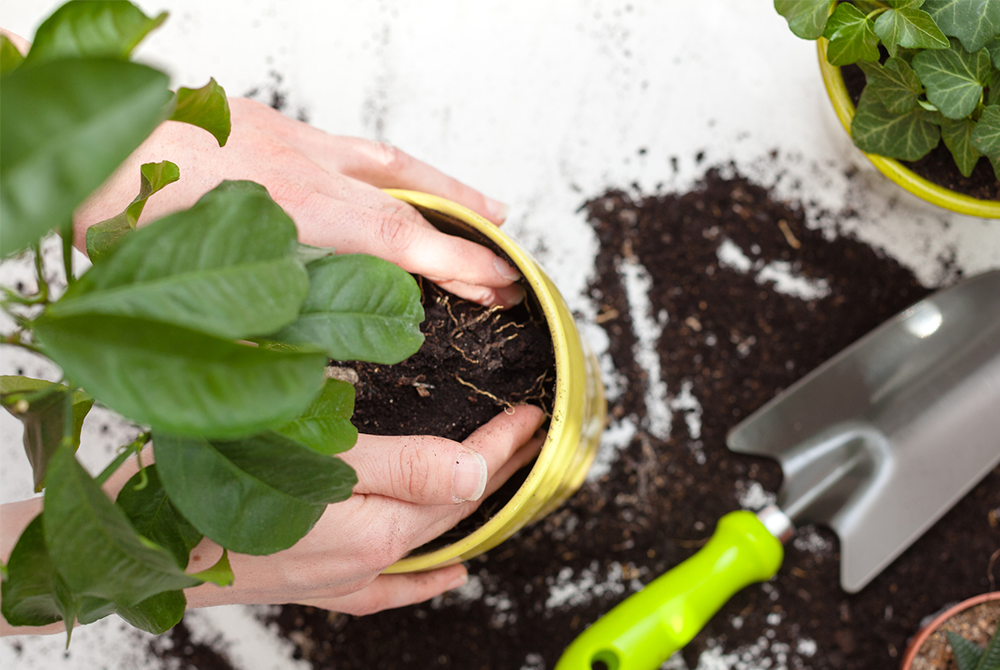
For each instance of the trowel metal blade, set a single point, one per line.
(880, 441)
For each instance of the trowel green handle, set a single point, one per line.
(649, 626)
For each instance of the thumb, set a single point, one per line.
(391, 591)
(419, 469)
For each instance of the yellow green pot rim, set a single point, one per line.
(893, 169)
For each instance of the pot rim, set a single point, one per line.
(933, 626)
(891, 168)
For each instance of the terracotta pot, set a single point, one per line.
(579, 411)
(926, 632)
(891, 168)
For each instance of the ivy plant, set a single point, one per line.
(209, 329)
(932, 70)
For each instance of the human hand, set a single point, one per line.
(329, 185)
(409, 491)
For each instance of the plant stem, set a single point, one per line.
(127, 450)
(14, 339)
(67, 249)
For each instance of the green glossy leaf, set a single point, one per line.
(79, 521)
(909, 27)
(226, 503)
(179, 380)
(806, 18)
(206, 107)
(220, 574)
(852, 36)
(993, 94)
(995, 162)
(225, 267)
(359, 308)
(986, 136)
(326, 425)
(28, 591)
(91, 29)
(104, 237)
(156, 614)
(152, 515)
(10, 57)
(974, 22)
(957, 136)
(954, 78)
(41, 406)
(895, 84)
(907, 136)
(65, 126)
(994, 48)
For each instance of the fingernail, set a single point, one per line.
(459, 582)
(469, 480)
(497, 209)
(505, 271)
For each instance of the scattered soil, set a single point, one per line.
(977, 625)
(938, 166)
(729, 341)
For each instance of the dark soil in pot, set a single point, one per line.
(732, 340)
(938, 166)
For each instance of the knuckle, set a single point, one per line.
(391, 160)
(414, 473)
(394, 232)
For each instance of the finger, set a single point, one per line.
(385, 166)
(504, 434)
(391, 591)
(393, 234)
(505, 296)
(425, 470)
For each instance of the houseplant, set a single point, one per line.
(932, 75)
(946, 641)
(187, 327)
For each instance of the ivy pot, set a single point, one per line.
(893, 169)
(579, 408)
(971, 619)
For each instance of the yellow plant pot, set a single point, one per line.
(891, 168)
(579, 411)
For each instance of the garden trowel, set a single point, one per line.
(877, 443)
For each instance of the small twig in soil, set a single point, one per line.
(793, 241)
(506, 405)
(610, 314)
(462, 354)
(989, 570)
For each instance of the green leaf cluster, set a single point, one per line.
(932, 69)
(210, 327)
(970, 656)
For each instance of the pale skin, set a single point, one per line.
(410, 489)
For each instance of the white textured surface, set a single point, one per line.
(539, 104)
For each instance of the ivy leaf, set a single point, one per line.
(153, 516)
(91, 29)
(806, 18)
(65, 126)
(43, 417)
(986, 136)
(895, 84)
(79, 521)
(993, 94)
(954, 78)
(27, 595)
(326, 425)
(225, 267)
(207, 108)
(252, 511)
(957, 136)
(994, 48)
(156, 614)
(909, 27)
(974, 22)
(10, 57)
(906, 136)
(852, 36)
(180, 380)
(359, 308)
(104, 237)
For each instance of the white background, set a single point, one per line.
(542, 104)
